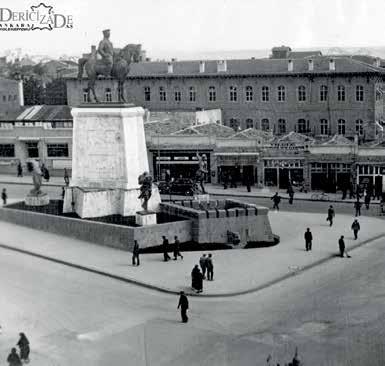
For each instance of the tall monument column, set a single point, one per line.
(108, 155)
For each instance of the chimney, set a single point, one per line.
(311, 65)
(170, 68)
(201, 66)
(332, 65)
(21, 93)
(221, 66)
(290, 65)
(377, 62)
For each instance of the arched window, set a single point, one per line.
(359, 127)
(359, 93)
(249, 93)
(234, 124)
(341, 93)
(281, 93)
(233, 94)
(323, 93)
(341, 126)
(147, 94)
(281, 126)
(301, 93)
(249, 123)
(192, 94)
(302, 126)
(324, 127)
(265, 124)
(265, 94)
(177, 94)
(212, 94)
(162, 94)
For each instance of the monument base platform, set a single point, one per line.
(145, 218)
(201, 197)
(41, 200)
(103, 202)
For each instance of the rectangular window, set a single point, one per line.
(212, 94)
(341, 127)
(359, 93)
(61, 124)
(233, 94)
(281, 94)
(359, 127)
(323, 96)
(57, 150)
(177, 95)
(341, 93)
(301, 93)
(162, 94)
(302, 126)
(4, 98)
(32, 149)
(265, 94)
(192, 94)
(324, 127)
(147, 94)
(7, 150)
(281, 126)
(249, 93)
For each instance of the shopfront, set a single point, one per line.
(371, 176)
(178, 164)
(329, 177)
(281, 172)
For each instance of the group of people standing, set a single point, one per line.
(17, 359)
(43, 168)
(206, 271)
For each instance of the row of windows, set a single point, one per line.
(10, 97)
(233, 95)
(302, 126)
(53, 150)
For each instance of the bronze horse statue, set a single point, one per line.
(119, 71)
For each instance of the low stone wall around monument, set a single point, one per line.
(212, 221)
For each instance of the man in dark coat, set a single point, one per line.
(177, 249)
(183, 305)
(24, 347)
(331, 214)
(19, 170)
(290, 192)
(210, 268)
(341, 244)
(308, 239)
(357, 207)
(135, 254)
(196, 279)
(166, 257)
(203, 264)
(356, 228)
(276, 200)
(4, 196)
(13, 358)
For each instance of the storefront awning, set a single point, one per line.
(236, 154)
(21, 138)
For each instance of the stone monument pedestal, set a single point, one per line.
(144, 218)
(109, 154)
(40, 200)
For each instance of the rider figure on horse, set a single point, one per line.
(106, 50)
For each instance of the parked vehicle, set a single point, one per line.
(181, 186)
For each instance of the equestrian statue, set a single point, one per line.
(107, 62)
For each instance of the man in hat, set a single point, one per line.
(106, 50)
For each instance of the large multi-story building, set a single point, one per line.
(316, 95)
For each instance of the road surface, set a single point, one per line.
(334, 313)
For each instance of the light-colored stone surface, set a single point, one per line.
(201, 197)
(109, 154)
(145, 219)
(42, 200)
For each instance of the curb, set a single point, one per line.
(45, 184)
(173, 292)
(286, 198)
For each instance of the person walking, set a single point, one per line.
(341, 244)
(203, 264)
(308, 239)
(367, 200)
(290, 192)
(166, 257)
(331, 215)
(357, 207)
(177, 249)
(66, 177)
(4, 196)
(183, 305)
(13, 358)
(19, 170)
(356, 228)
(23, 344)
(135, 254)
(276, 200)
(210, 268)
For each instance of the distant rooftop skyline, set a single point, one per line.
(175, 28)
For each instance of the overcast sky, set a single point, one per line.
(179, 26)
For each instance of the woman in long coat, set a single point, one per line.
(24, 347)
